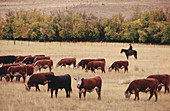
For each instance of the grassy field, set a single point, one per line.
(152, 59)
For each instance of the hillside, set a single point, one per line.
(99, 8)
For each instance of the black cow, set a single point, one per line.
(10, 59)
(59, 82)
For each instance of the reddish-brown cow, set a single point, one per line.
(84, 62)
(66, 61)
(142, 85)
(40, 58)
(119, 65)
(21, 58)
(48, 63)
(88, 85)
(36, 79)
(163, 79)
(21, 71)
(4, 68)
(95, 65)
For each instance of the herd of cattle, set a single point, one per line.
(21, 66)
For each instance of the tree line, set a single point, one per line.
(144, 27)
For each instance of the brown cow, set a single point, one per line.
(21, 58)
(46, 63)
(40, 58)
(163, 79)
(83, 63)
(28, 60)
(66, 61)
(95, 65)
(21, 71)
(88, 85)
(142, 85)
(36, 79)
(4, 68)
(119, 65)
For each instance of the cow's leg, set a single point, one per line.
(50, 68)
(56, 91)
(79, 95)
(24, 78)
(12, 77)
(37, 87)
(52, 93)
(166, 87)
(98, 90)
(84, 94)
(67, 95)
(136, 95)
(151, 94)
(48, 88)
(156, 96)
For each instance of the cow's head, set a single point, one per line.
(27, 87)
(110, 69)
(79, 81)
(127, 94)
(77, 66)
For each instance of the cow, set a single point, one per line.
(36, 79)
(159, 88)
(163, 79)
(40, 58)
(10, 59)
(95, 65)
(119, 65)
(59, 82)
(66, 61)
(89, 85)
(28, 60)
(47, 63)
(4, 68)
(83, 63)
(20, 58)
(143, 85)
(20, 71)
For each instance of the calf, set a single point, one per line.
(40, 58)
(95, 65)
(163, 79)
(119, 65)
(59, 82)
(142, 85)
(66, 61)
(88, 85)
(48, 63)
(36, 79)
(4, 68)
(84, 62)
(21, 71)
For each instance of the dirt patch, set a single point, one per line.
(99, 8)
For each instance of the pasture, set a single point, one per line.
(152, 59)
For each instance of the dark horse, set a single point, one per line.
(129, 53)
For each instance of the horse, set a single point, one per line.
(129, 53)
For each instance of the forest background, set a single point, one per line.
(148, 26)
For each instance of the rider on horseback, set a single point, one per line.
(130, 48)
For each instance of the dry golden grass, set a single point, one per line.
(152, 59)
